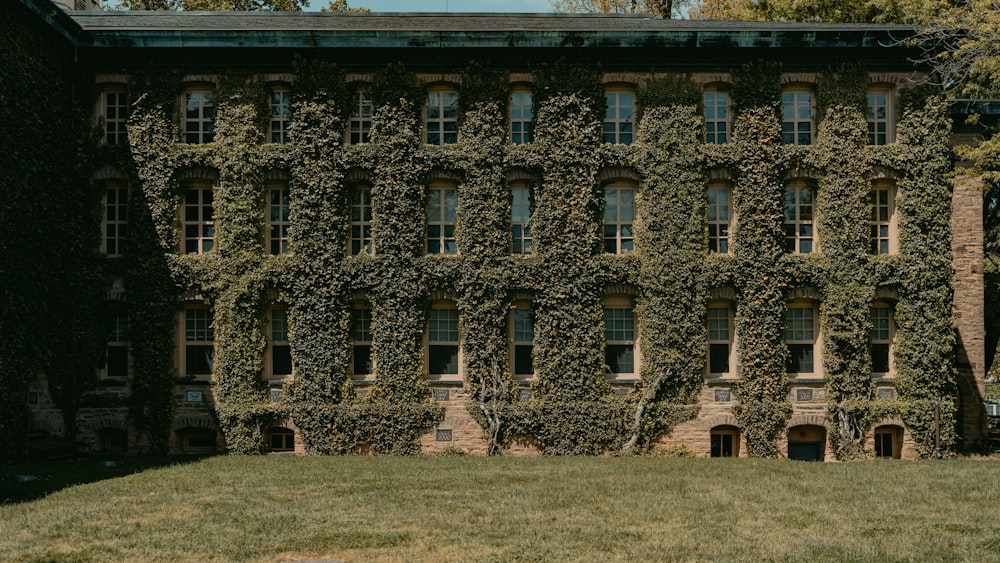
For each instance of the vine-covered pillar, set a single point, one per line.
(152, 295)
(568, 325)
(925, 338)
(318, 321)
(242, 403)
(670, 234)
(484, 244)
(762, 406)
(845, 312)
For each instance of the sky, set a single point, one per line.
(444, 5)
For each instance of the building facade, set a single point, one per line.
(354, 233)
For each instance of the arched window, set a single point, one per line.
(797, 123)
(520, 115)
(619, 215)
(720, 214)
(520, 214)
(888, 442)
(880, 115)
(883, 219)
(441, 117)
(278, 206)
(198, 123)
(198, 219)
(619, 119)
(725, 441)
(716, 115)
(807, 442)
(442, 204)
(280, 440)
(798, 225)
(361, 220)
(280, 103)
(360, 123)
(114, 111)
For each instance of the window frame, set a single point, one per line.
(883, 334)
(204, 223)
(360, 239)
(192, 314)
(619, 126)
(814, 342)
(716, 338)
(795, 224)
(278, 223)
(446, 221)
(202, 115)
(622, 231)
(359, 124)
(887, 119)
(792, 107)
(883, 226)
(895, 434)
(276, 335)
(283, 434)
(520, 115)
(115, 100)
(518, 328)
(443, 100)
(432, 339)
(724, 431)
(719, 230)
(361, 340)
(521, 206)
(114, 231)
(117, 339)
(711, 97)
(625, 304)
(280, 104)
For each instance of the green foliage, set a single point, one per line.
(395, 83)
(562, 78)
(756, 84)
(843, 86)
(482, 83)
(667, 91)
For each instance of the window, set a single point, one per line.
(796, 117)
(799, 219)
(888, 442)
(522, 340)
(115, 219)
(520, 116)
(879, 106)
(198, 221)
(281, 114)
(719, 214)
(520, 214)
(441, 117)
(281, 352)
(280, 440)
(716, 116)
(725, 441)
(441, 205)
(442, 341)
(618, 116)
(883, 202)
(199, 345)
(277, 219)
(199, 116)
(619, 335)
(619, 212)
(115, 110)
(361, 341)
(800, 337)
(116, 358)
(361, 221)
(882, 332)
(361, 117)
(720, 339)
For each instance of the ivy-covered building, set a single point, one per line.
(352, 233)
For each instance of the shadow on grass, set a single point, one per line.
(24, 482)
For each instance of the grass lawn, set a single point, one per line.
(282, 508)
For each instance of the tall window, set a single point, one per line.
(798, 223)
(881, 338)
(619, 334)
(719, 216)
(115, 219)
(361, 341)
(199, 341)
(520, 213)
(796, 117)
(442, 341)
(115, 116)
(888, 442)
(277, 220)
(800, 337)
(618, 118)
(879, 115)
(198, 221)
(281, 114)
(441, 205)
(281, 352)
(720, 339)
(522, 340)
(725, 441)
(441, 117)
(716, 117)
(199, 116)
(361, 117)
(361, 220)
(116, 359)
(520, 116)
(883, 205)
(619, 212)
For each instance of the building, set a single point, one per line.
(343, 233)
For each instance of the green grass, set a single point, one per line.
(283, 508)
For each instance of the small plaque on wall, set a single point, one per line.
(723, 396)
(194, 396)
(443, 435)
(803, 395)
(441, 394)
(524, 395)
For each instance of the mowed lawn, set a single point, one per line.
(282, 508)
